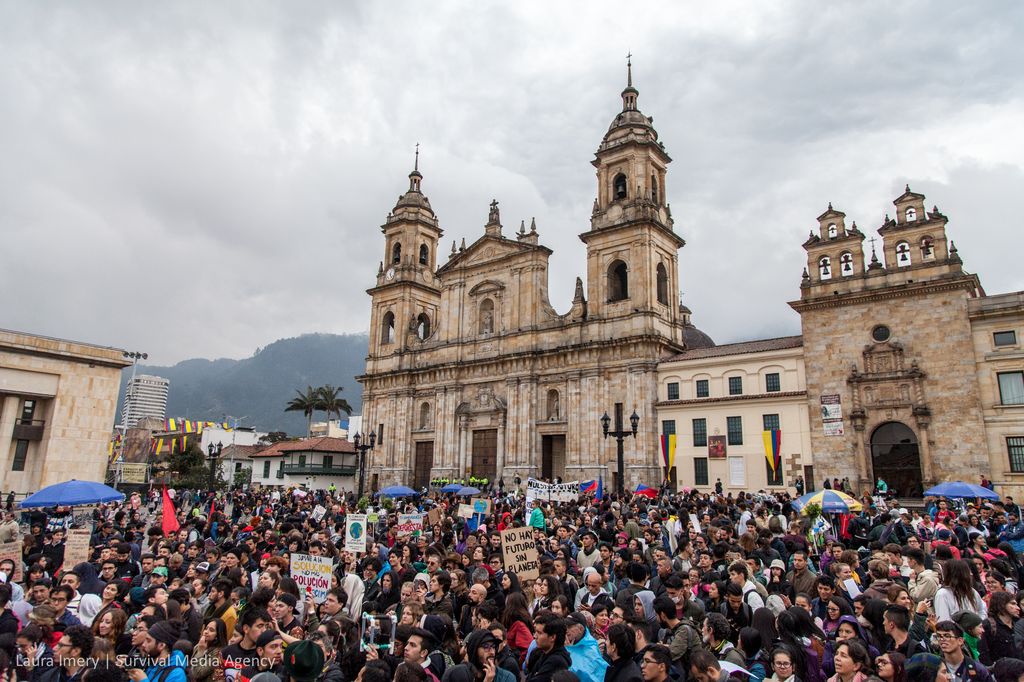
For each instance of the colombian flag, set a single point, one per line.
(773, 449)
(668, 450)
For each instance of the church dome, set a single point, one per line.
(695, 338)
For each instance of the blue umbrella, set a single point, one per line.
(398, 491)
(71, 494)
(960, 489)
(469, 490)
(451, 488)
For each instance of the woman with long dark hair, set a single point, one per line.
(892, 667)
(518, 625)
(997, 641)
(207, 662)
(957, 592)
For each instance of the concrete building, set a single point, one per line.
(997, 323)
(719, 401)
(471, 371)
(58, 399)
(315, 463)
(145, 396)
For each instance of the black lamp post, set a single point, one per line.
(619, 434)
(214, 452)
(363, 448)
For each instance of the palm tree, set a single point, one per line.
(306, 403)
(331, 402)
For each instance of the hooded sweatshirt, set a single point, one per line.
(472, 670)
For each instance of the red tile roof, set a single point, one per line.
(324, 444)
(757, 346)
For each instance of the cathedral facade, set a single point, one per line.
(471, 371)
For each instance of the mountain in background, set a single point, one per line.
(258, 388)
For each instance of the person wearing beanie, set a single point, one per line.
(481, 647)
(303, 661)
(269, 655)
(168, 665)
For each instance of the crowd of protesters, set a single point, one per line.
(669, 586)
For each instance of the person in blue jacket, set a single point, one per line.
(158, 646)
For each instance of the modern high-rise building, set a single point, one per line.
(146, 396)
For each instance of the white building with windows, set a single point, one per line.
(146, 396)
(719, 402)
(313, 463)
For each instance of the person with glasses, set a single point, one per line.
(783, 665)
(655, 663)
(959, 667)
(891, 667)
(59, 600)
(480, 663)
(71, 653)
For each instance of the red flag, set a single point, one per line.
(169, 520)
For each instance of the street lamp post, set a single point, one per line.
(363, 448)
(619, 434)
(214, 452)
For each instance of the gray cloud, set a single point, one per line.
(198, 180)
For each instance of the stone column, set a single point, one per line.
(463, 445)
(500, 455)
(8, 415)
(925, 451)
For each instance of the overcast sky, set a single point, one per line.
(200, 179)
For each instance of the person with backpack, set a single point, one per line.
(680, 635)
(736, 610)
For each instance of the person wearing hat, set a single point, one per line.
(481, 647)
(158, 646)
(417, 650)
(303, 661)
(269, 654)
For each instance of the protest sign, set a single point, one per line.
(552, 492)
(12, 550)
(76, 550)
(695, 523)
(313, 573)
(318, 512)
(355, 533)
(465, 511)
(481, 505)
(434, 516)
(519, 553)
(409, 525)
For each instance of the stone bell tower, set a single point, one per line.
(407, 296)
(632, 249)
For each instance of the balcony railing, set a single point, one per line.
(28, 429)
(318, 470)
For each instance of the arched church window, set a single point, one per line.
(902, 254)
(554, 409)
(927, 248)
(487, 316)
(387, 329)
(424, 254)
(425, 415)
(846, 264)
(911, 214)
(618, 281)
(662, 284)
(833, 231)
(422, 326)
(619, 186)
(396, 253)
(825, 267)
(654, 189)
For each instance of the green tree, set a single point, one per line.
(331, 401)
(188, 469)
(307, 403)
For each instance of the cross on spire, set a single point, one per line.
(416, 166)
(629, 70)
